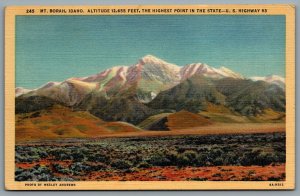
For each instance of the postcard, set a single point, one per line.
(150, 97)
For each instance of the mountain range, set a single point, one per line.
(149, 76)
(155, 89)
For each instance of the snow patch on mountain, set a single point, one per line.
(229, 73)
(152, 60)
(205, 70)
(20, 91)
(273, 79)
(49, 85)
(155, 69)
(147, 78)
(117, 71)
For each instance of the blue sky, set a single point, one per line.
(54, 48)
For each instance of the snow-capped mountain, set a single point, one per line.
(205, 70)
(69, 92)
(225, 72)
(145, 79)
(20, 91)
(273, 79)
(148, 67)
(148, 76)
(154, 68)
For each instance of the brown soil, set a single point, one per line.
(185, 119)
(172, 173)
(225, 128)
(62, 122)
(220, 173)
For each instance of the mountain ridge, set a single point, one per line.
(153, 86)
(150, 75)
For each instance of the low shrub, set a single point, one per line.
(159, 159)
(121, 164)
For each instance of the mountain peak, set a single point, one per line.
(229, 73)
(224, 68)
(268, 78)
(153, 60)
(198, 65)
(20, 91)
(49, 84)
(150, 59)
(275, 77)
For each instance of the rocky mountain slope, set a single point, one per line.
(154, 87)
